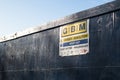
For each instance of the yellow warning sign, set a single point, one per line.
(74, 28)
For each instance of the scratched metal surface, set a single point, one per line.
(36, 56)
(99, 10)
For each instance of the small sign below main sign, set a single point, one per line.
(74, 39)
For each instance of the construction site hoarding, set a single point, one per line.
(82, 46)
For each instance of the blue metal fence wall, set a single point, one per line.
(36, 56)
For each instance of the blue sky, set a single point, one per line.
(17, 15)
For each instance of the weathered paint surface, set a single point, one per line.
(36, 56)
(99, 10)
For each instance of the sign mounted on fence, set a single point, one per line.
(74, 39)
